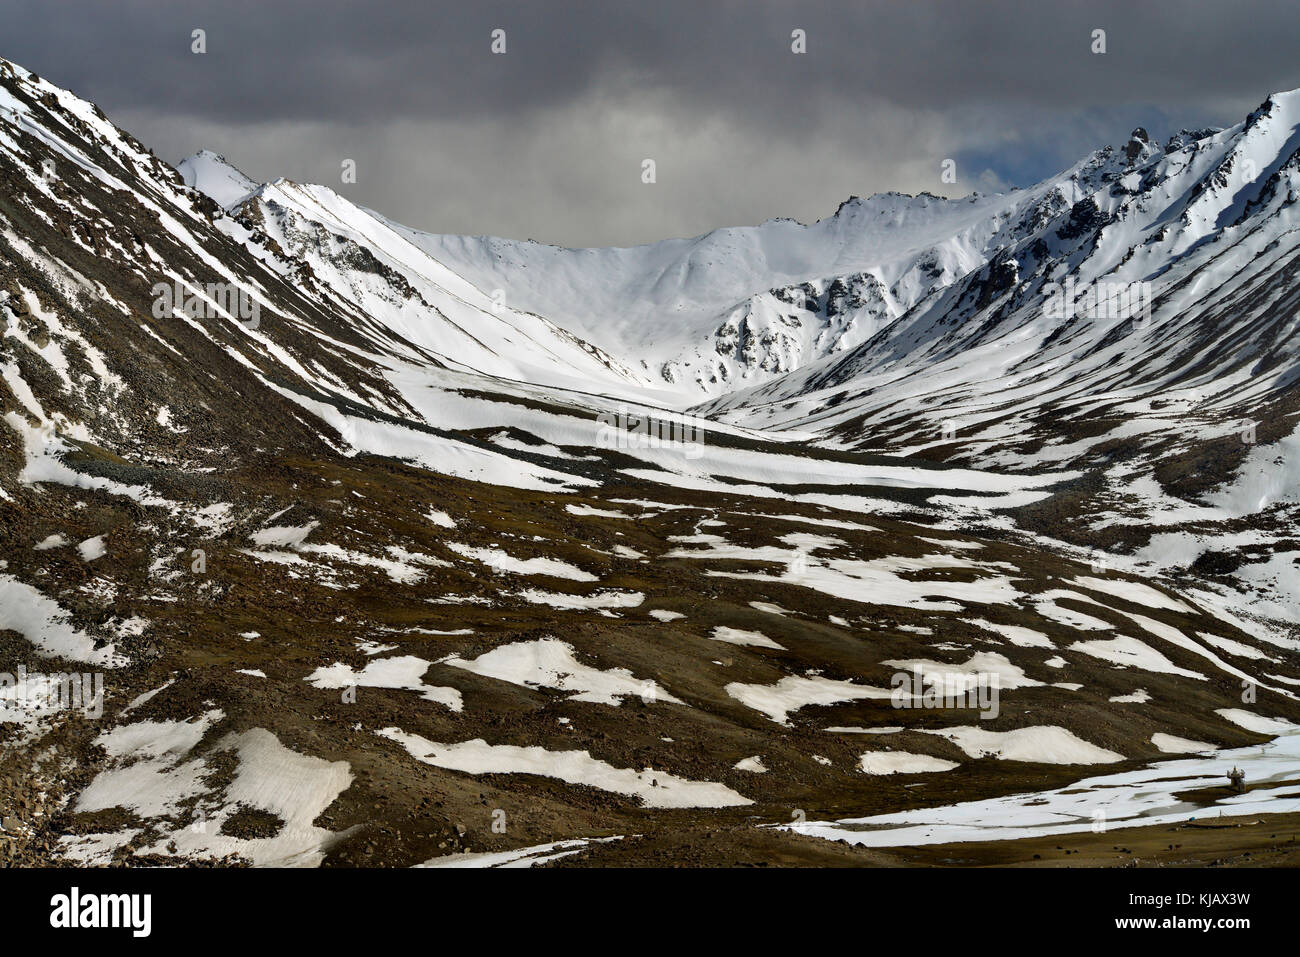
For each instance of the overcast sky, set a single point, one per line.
(547, 140)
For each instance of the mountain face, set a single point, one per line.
(742, 306)
(1180, 411)
(384, 547)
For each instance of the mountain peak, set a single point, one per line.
(211, 173)
(1139, 147)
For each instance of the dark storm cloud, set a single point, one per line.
(547, 140)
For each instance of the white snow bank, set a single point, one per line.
(47, 626)
(549, 663)
(500, 561)
(902, 762)
(738, 636)
(655, 789)
(405, 672)
(796, 691)
(1044, 744)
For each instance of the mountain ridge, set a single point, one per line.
(747, 327)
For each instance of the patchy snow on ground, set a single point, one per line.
(738, 636)
(796, 691)
(1131, 591)
(1130, 653)
(1044, 744)
(1255, 722)
(1151, 796)
(294, 787)
(498, 560)
(48, 626)
(519, 858)
(1048, 605)
(888, 729)
(1019, 636)
(283, 536)
(92, 548)
(881, 581)
(151, 772)
(590, 511)
(981, 668)
(596, 601)
(655, 789)
(550, 663)
(440, 518)
(1141, 696)
(405, 672)
(902, 762)
(1238, 648)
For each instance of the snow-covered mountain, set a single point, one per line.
(743, 305)
(740, 307)
(360, 263)
(371, 534)
(212, 175)
(925, 326)
(1183, 410)
(1199, 222)
(691, 318)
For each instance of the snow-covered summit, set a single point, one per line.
(214, 175)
